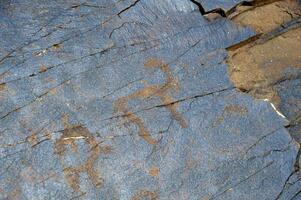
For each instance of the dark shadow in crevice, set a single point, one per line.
(219, 11)
(226, 13)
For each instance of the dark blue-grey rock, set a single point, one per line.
(132, 100)
(291, 189)
(289, 91)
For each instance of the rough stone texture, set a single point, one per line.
(132, 100)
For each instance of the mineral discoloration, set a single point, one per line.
(154, 171)
(161, 91)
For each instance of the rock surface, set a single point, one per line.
(140, 99)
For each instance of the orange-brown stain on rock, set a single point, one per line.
(33, 139)
(162, 91)
(257, 64)
(53, 91)
(154, 171)
(236, 109)
(16, 194)
(3, 76)
(43, 68)
(145, 194)
(2, 87)
(69, 136)
(268, 16)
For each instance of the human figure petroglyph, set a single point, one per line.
(69, 136)
(162, 91)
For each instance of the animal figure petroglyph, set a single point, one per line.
(162, 91)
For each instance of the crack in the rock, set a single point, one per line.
(58, 85)
(75, 75)
(101, 52)
(219, 11)
(72, 35)
(123, 24)
(171, 103)
(127, 8)
(260, 39)
(268, 153)
(31, 41)
(238, 183)
(225, 13)
(85, 4)
(285, 184)
(8, 55)
(261, 139)
(146, 109)
(251, 4)
(130, 44)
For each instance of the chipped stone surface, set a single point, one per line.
(132, 100)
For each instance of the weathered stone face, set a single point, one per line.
(135, 100)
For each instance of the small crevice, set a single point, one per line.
(219, 11)
(127, 8)
(226, 13)
(284, 186)
(287, 181)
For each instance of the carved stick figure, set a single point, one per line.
(72, 173)
(161, 91)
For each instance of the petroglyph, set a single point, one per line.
(162, 91)
(69, 136)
